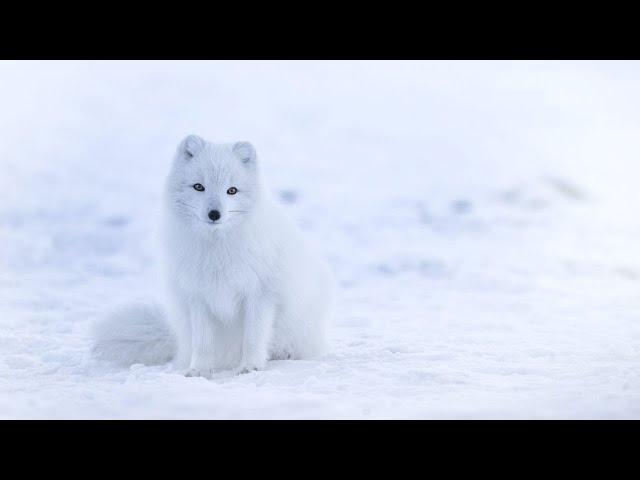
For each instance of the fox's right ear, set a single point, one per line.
(190, 146)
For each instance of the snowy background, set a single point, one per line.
(481, 217)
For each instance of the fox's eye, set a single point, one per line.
(199, 187)
(232, 191)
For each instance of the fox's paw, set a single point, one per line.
(247, 368)
(281, 355)
(199, 372)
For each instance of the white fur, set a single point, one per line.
(243, 289)
(135, 333)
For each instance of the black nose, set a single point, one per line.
(214, 215)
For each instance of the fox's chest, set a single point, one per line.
(225, 292)
(225, 283)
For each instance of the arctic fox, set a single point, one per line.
(243, 286)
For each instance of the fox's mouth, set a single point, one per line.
(219, 222)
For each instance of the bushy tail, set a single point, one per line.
(137, 333)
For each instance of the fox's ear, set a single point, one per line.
(245, 151)
(190, 146)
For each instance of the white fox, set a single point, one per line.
(243, 286)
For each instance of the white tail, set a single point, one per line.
(137, 333)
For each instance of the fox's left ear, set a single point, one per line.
(246, 152)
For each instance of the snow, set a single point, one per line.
(481, 218)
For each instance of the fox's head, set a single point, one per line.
(213, 186)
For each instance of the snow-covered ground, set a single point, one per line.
(481, 217)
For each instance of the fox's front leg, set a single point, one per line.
(258, 327)
(202, 343)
